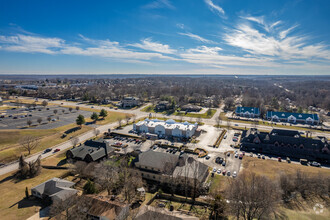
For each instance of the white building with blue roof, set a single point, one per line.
(292, 117)
(247, 112)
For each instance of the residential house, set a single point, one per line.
(247, 112)
(91, 150)
(293, 118)
(129, 102)
(151, 213)
(286, 143)
(103, 208)
(163, 106)
(190, 108)
(168, 128)
(54, 189)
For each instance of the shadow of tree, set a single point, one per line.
(62, 162)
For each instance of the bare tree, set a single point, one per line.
(119, 122)
(70, 109)
(39, 120)
(63, 111)
(107, 175)
(252, 196)
(44, 103)
(96, 131)
(77, 108)
(72, 208)
(218, 121)
(127, 117)
(79, 168)
(134, 118)
(55, 111)
(75, 141)
(29, 122)
(29, 143)
(49, 118)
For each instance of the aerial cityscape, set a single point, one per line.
(163, 109)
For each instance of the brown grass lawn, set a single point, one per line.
(272, 168)
(12, 203)
(9, 139)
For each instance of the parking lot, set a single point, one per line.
(51, 117)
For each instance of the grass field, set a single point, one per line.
(273, 168)
(9, 139)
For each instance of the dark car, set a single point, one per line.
(207, 157)
(47, 150)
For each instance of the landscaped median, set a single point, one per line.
(218, 141)
(201, 152)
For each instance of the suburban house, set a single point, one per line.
(129, 102)
(286, 143)
(151, 213)
(54, 189)
(168, 128)
(163, 167)
(162, 106)
(91, 150)
(191, 108)
(293, 118)
(102, 208)
(247, 112)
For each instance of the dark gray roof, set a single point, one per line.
(151, 213)
(94, 149)
(55, 187)
(157, 160)
(191, 168)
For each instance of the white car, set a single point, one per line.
(214, 170)
(234, 174)
(236, 155)
(219, 171)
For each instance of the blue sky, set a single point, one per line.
(165, 37)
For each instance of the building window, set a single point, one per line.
(154, 177)
(142, 174)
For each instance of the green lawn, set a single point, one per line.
(196, 115)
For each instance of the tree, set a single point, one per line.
(49, 118)
(72, 208)
(89, 187)
(29, 143)
(55, 111)
(94, 116)
(29, 122)
(252, 196)
(218, 121)
(107, 175)
(63, 111)
(75, 141)
(218, 205)
(44, 103)
(96, 131)
(79, 168)
(77, 108)
(39, 120)
(119, 122)
(127, 117)
(103, 113)
(80, 120)
(70, 109)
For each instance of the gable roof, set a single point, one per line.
(56, 187)
(243, 109)
(191, 168)
(298, 116)
(151, 213)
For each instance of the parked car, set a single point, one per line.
(225, 136)
(315, 164)
(57, 150)
(259, 156)
(240, 156)
(228, 173)
(236, 155)
(228, 155)
(224, 172)
(234, 174)
(288, 160)
(219, 160)
(279, 159)
(214, 170)
(207, 157)
(263, 157)
(219, 171)
(224, 163)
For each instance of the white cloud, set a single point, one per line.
(147, 44)
(215, 8)
(159, 4)
(284, 33)
(198, 38)
(30, 44)
(179, 25)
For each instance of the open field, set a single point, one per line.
(9, 139)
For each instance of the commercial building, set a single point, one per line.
(168, 128)
(293, 118)
(91, 150)
(247, 112)
(286, 143)
(162, 106)
(163, 167)
(129, 102)
(191, 108)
